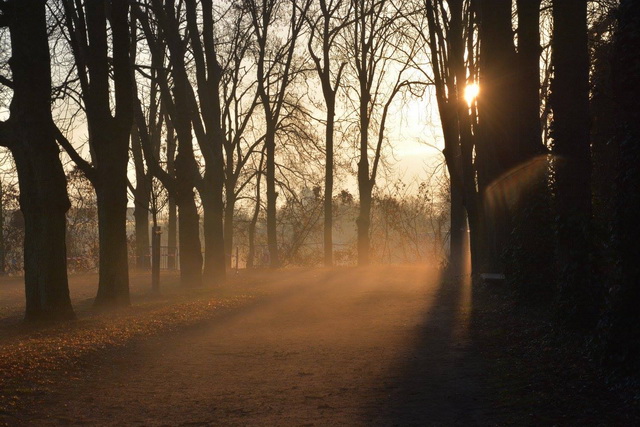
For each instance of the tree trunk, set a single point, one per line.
(111, 191)
(570, 104)
(328, 185)
(496, 153)
(141, 200)
(272, 195)
(172, 237)
(529, 128)
(172, 228)
(141, 216)
(364, 222)
(229, 208)
(189, 225)
(623, 340)
(458, 231)
(365, 186)
(254, 218)
(43, 193)
(531, 240)
(108, 134)
(3, 265)
(213, 212)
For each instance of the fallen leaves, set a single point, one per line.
(32, 361)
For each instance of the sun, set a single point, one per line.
(471, 92)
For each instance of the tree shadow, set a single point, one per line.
(440, 380)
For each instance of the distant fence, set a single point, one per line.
(169, 258)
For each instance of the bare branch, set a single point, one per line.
(5, 81)
(86, 167)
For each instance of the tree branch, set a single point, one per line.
(82, 164)
(5, 81)
(5, 132)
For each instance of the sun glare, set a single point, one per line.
(471, 93)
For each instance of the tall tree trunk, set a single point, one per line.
(43, 193)
(210, 134)
(272, 195)
(189, 225)
(450, 76)
(328, 183)
(570, 103)
(496, 153)
(623, 340)
(530, 130)
(109, 137)
(365, 187)
(463, 189)
(213, 213)
(254, 218)
(364, 221)
(172, 226)
(531, 240)
(3, 265)
(141, 200)
(229, 209)
(111, 191)
(458, 231)
(172, 235)
(141, 217)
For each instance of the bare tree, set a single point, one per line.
(571, 144)
(275, 72)
(97, 57)
(177, 103)
(239, 101)
(256, 214)
(29, 134)
(328, 22)
(380, 57)
(447, 37)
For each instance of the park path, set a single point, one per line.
(350, 346)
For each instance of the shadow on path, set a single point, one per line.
(440, 380)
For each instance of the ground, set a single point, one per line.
(386, 345)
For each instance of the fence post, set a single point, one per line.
(236, 260)
(155, 258)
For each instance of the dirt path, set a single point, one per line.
(383, 346)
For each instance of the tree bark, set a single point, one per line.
(254, 218)
(180, 110)
(623, 339)
(172, 226)
(530, 243)
(570, 131)
(3, 265)
(328, 184)
(188, 223)
(110, 139)
(496, 153)
(111, 191)
(43, 193)
(272, 195)
(458, 231)
(172, 238)
(229, 209)
(141, 200)
(213, 213)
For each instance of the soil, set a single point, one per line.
(391, 345)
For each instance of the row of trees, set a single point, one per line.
(227, 101)
(208, 99)
(542, 164)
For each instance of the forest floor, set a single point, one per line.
(390, 345)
